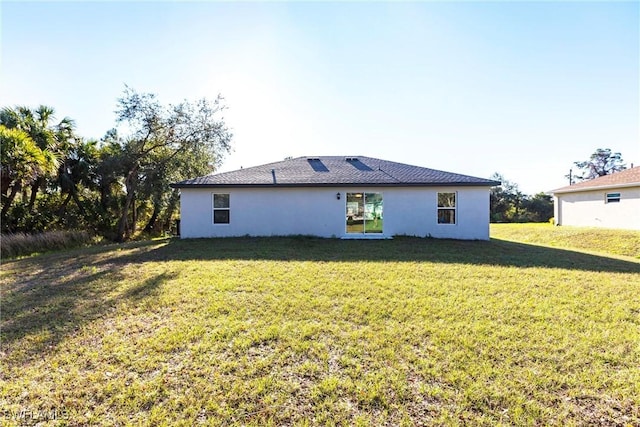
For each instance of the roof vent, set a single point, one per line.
(313, 159)
(351, 159)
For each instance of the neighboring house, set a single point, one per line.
(345, 197)
(610, 201)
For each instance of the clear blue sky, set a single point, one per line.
(523, 89)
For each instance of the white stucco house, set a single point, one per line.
(335, 196)
(610, 201)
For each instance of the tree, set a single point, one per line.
(509, 204)
(22, 163)
(162, 145)
(52, 178)
(78, 170)
(56, 139)
(505, 200)
(602, 162)
(538, 208)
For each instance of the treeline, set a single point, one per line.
(115, 187)
(509, 204)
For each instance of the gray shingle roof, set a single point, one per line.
(623, 178)
(334, 171)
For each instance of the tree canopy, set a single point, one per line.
(509, 204)
(165, 144)
(602, 162)
(119, 184)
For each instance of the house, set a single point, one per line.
(610, 201)
(335, 196)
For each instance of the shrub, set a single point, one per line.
(16, 244)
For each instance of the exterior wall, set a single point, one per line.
(589, 209)
(413, 211)
(317, 211)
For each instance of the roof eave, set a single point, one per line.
(351, 184)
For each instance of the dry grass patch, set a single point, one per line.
(17, 244)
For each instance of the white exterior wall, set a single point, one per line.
(414, 212)
(589, 209)
(317, 211)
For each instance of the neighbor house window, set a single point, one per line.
(613, 197)
(221, 209)
(446, 208)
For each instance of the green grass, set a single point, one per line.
(617, 242)
(301, 331)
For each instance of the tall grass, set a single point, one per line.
(17, 244)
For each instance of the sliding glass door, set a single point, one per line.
(364, 213)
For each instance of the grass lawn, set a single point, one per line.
(617, 242)
(299, 331)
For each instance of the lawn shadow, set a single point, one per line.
(148, 288)
(402, 249)
(54, 295)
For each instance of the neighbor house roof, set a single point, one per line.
(625, 178)
(334, 171)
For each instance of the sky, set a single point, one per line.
(520, 88)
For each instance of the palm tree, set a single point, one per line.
(22, 163)
(54, 139)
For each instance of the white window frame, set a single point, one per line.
(454, 208)
(214, 209)
(612, 198)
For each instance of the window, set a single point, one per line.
(446, 208)
(221, 209)
(364, 213)
(613, 197)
